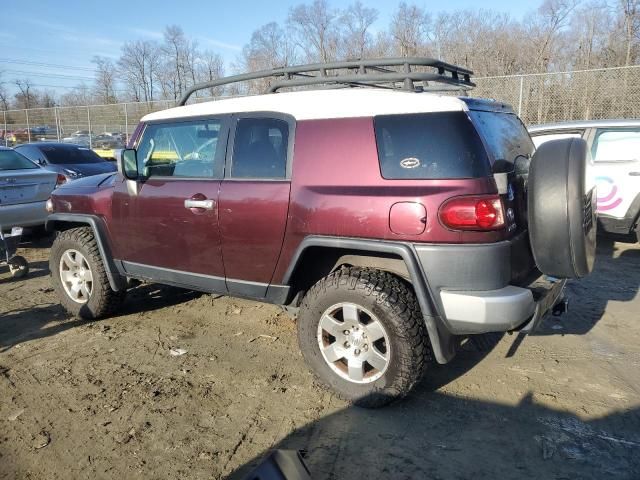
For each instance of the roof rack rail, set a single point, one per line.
(377, 72)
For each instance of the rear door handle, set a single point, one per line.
(634, 174)
(205, 204)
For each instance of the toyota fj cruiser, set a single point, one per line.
(396, 221)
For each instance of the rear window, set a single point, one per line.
(11, 160)
(63, 154)
(429, 146)
(505, 136)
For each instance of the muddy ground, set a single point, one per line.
(106, 399)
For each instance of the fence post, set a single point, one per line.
(26, 112)
(126, 126)
(89, 124)
(520, 99)
(57, 120)
(6, 144)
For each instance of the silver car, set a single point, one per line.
(24, 190)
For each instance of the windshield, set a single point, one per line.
(70, 154)
(12, 160)
(505, 136)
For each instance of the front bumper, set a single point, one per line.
(23, 215)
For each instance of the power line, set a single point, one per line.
(42, 64)
(52, 75)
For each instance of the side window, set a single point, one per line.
(181, 149)
(610, 145)
(32, 153)
(260, 148)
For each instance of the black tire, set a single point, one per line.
(394, 305)
(103, 300)
(562, 213)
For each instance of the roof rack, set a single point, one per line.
(379, 72)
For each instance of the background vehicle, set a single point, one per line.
(397, 226)
(24, 189)
(79, 137)
(615, 149)
(72, 161)
(107, 141)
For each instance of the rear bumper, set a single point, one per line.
(505, 309)
(23, 215)
(487, 287)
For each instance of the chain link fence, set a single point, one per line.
(556, 97)
(538, 98)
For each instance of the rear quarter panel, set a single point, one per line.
(337, 190)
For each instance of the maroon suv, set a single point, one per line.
(395, 222)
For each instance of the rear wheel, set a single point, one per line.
(79, 277)
(362, 334)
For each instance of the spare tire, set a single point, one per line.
(562, 209)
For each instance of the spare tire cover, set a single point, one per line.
(562, 209)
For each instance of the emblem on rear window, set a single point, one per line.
(410, 162)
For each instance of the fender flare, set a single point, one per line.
(443, 343)
(116, 280)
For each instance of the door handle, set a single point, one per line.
(205, 204)
(634, 174)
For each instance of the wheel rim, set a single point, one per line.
(76, 276)
(354, 343)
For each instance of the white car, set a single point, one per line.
(615, 149)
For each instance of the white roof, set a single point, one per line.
(318, 104)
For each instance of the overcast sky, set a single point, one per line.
(66, 34)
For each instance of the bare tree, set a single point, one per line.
(78, 96)
(356, 22)
(180, 56)
(4, 94)
(210, 67)
(104, 85)
(631, 21)
(552, 17)
(26, 97)
(316, 31)
(409, 29)
(139, 63)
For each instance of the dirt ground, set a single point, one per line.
(106, 399)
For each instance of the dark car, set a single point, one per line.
(72, 161)
(397, 223)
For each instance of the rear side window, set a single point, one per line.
(429, 146)
(260, 148)
(505, 135)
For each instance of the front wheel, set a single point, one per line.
(362, 334)
(79, 277)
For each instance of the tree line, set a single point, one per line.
(559, 35)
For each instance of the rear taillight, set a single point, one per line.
(473, 213)
(60, 180)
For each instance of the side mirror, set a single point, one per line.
(128, 163)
